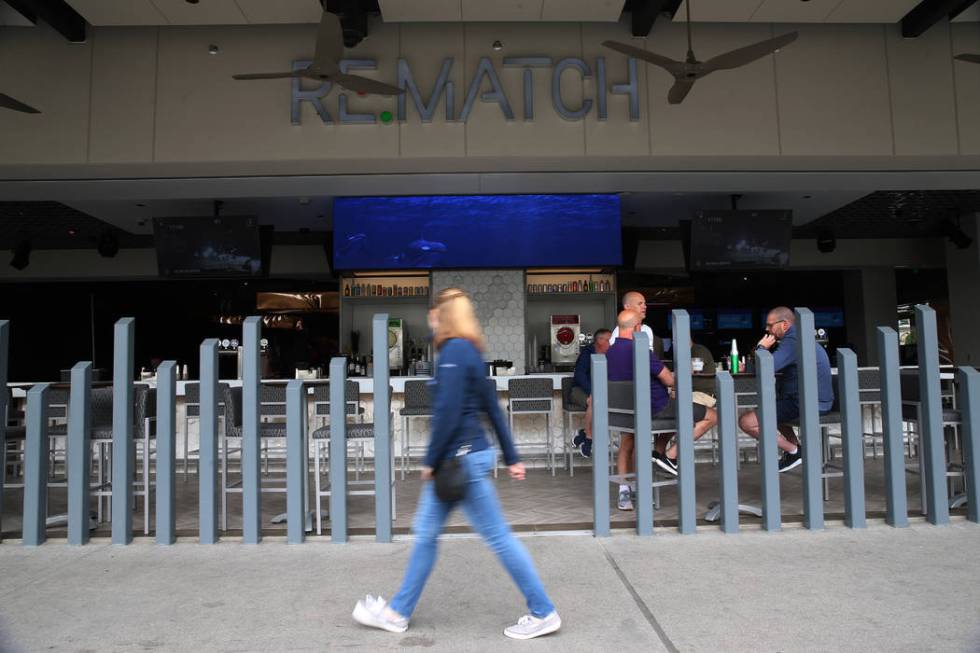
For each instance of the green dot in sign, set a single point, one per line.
(386, 116)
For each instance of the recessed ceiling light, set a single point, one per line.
(213, 49)
(192, 2)
(72, 231)
(498, 46)
(141, 205)
(806, 197)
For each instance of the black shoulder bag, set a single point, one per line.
(450, 479)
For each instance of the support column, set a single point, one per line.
(870, 301)
(962, 272)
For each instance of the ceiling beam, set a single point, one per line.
(21, 7)
(644, 13)
(56, 13)
(929, 12)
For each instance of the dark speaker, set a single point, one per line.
(108, 243)
(266, 236)
(22, 255)
(826, 241)
(956, 235)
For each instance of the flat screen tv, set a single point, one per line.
(740, 240)
(828, 318)
(696, 318)
(734, 319)
(208, 246)
(476, 231)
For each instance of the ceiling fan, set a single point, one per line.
(7, 102)
(690, 70)
(326, 68)
(972, 58)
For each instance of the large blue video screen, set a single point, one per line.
(476, 231)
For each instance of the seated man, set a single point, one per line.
(781, 329)
(620, 368)
(581, 393)
(703, 383)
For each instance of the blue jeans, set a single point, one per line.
(484, 514)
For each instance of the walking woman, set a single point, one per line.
(461, 393)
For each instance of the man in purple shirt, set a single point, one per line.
(619, 366)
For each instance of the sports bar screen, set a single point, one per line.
(476, 231)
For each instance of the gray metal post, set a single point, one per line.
(600, 446)
(4, 408)
(296, 461)
(642, 445)
(207, 475)
(36, 466)
(79, 452)
(685, 422)
(891, 421)
(123, 450)
(251, 443)
(166, 452)
(969, 398)
(728, 451)
(810, 435)
(931, 417)
(382, 430)
(338, 450)
(852, 437)
(766, 384)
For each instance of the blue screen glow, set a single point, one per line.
(476, 231)
(735, 320)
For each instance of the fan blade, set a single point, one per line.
(295, 73)
(666, 63)
(360, 84)
(748, 54)
(329, 43)
(8, 102)
(679, 90)
(972, 58)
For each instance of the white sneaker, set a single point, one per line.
(374, 612)
(529, 626)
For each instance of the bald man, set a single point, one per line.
(619, 365)
(635, 301)
(781, 334)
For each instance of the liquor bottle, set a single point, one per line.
(346, 290)
(733, 358)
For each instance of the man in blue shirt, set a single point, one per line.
(781, 332)
(619, 367)
(581, 392)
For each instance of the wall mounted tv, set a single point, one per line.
(208, 246)
(476, 231)
(735, 319)
(731, 240)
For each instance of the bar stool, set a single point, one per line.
(622, 418)
(952, 418)
(361, 433)
(272, 403)
(418, 403)
(533, 397)
(352, 408)
(569, 409)
(192, 410)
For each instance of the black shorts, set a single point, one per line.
(577, 398)
(671, 409)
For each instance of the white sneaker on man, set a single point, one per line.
(529, 626)
(375, 613)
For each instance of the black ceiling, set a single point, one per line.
(52, 225)
(895, 214)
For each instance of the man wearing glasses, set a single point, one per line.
(781, 333)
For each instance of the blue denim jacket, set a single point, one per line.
(461, 393)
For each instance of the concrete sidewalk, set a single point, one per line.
(916, 589)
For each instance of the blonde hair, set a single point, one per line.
(457, 319)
